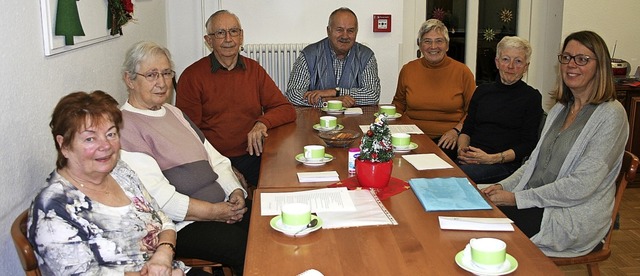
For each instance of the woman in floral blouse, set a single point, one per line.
(94, 217)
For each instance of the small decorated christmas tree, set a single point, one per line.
(376, 143)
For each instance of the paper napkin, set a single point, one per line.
(478, 224)
(353, 110)
(318, 176)
(429, 161)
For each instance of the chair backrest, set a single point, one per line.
(25, 251)
(627, 174)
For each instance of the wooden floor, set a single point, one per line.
(625, 249)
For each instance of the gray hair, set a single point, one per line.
(514, 42)
(342, 9)
(216, 14)
(433, 24)
(140, 52)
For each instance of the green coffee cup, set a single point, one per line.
(333, 105)
(295, 216)
(488, 253)
(313, 152)
(328, 122)
(400, 140)
(389, 110)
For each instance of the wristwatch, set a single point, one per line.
(337, 91)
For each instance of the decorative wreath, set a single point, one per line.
(120, 12)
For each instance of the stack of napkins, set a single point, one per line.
(429, 161)
(353, 110)
(318, 176)
(478, 224)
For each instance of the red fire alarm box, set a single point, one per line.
(382, 23)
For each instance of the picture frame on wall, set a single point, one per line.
(84, 22)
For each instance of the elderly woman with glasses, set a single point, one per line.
(435, 90)
(193, 183)
(563, 195)
(501, 128)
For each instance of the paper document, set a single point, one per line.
(448, 194)
(327, 199)
(353, 110)
(318, 176)
(479, 224)
(369, 211)
(411, 129)
(428, 161)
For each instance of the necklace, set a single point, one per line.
(105, 191)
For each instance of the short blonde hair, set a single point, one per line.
(433, 24)
(514, 42)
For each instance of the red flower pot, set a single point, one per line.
(373, 174)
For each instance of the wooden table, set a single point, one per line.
(279, 167)
(416, 246)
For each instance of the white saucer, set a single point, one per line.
(339, 111)
(276, 224)
(392, 117)
(327, 158)
(318, 127)
(409, 148)
(510, 265)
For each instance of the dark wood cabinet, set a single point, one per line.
(630, 97)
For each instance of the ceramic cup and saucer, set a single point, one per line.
(390, 117)
(334, 111)
(465, 261)
(408, 148)
(276, 224)
(327, 158)
(320, 128)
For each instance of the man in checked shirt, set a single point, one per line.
(336, 67)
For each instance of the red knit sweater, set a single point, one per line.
(226, 104)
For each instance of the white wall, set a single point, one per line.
(613, 20)
(31, 86)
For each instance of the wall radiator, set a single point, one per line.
(276, 59)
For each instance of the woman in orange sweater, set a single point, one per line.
(435, 90)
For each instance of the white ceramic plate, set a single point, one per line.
(393, 117)
(319, 128)
(409, 148)
(327, 158)
(510, 265)
(276, 224)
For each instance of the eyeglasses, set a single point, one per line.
(580, 60)
(222, 33)
(516, 62)
(153, 76)
(437, 42)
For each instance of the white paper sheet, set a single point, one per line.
(318, 176)
(411, 129)
(327, 199)
(353, 110)
(428, 161)
(369, 211)
(477, 224)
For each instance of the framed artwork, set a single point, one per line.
(71, 24)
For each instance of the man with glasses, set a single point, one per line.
(231, 98)
(336, 67)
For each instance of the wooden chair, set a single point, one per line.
(30, 263)
(25, 251)
(627, 174)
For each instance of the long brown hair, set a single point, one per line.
(604, 87)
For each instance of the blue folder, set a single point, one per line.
(448, 194)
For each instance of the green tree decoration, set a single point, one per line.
(68, 21)
(376, 143)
